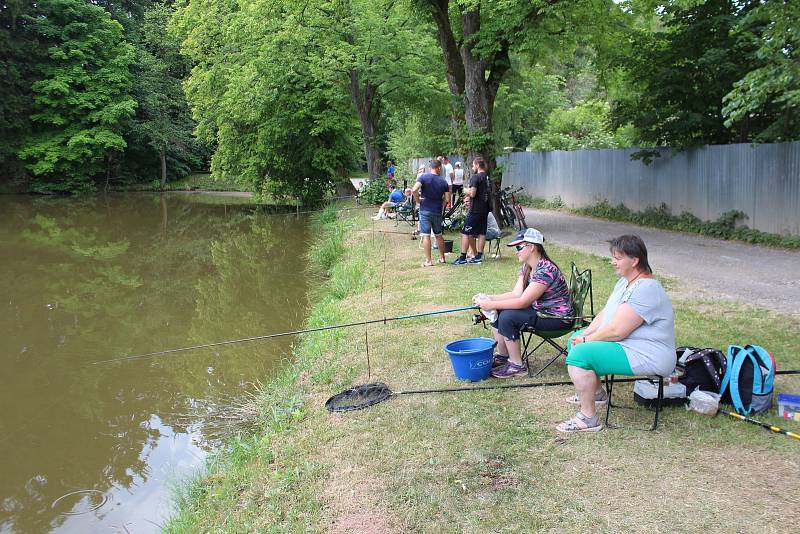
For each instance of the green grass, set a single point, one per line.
(486, 461)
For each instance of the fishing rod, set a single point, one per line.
(280, 334)
(772, 428)
(384, 232)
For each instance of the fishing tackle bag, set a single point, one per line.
(702, 368)
(749, 379)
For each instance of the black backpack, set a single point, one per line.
(702, 368)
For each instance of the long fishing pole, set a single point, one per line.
(280, 334)
(771, 428)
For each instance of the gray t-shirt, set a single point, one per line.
(651, 346)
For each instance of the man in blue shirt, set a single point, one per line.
(431, 192)
(395, 199)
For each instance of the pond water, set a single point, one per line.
(86, 447)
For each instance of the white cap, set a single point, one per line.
(531, 235)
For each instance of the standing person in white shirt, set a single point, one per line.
(448, 170)
(458, 180)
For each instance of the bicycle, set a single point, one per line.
(510, 210)
(517, 207)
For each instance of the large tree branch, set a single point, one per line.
(454, 66)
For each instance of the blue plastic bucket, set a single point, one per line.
(471, 358)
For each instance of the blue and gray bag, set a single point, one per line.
(748, 380)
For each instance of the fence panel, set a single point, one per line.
(763, 181)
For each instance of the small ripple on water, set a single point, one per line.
(74, 502)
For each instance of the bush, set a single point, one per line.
(375, 192)
(727, 226)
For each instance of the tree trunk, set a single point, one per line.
(108, 172)
(453, 68)
(367, 103)
(163, 156)
(474, 81)
(480, 92)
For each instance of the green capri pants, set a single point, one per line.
(602, 357)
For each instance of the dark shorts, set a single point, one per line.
(475, 224)
(430, 221)
(510, 322)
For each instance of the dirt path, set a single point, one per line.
(709, 268)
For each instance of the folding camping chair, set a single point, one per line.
(493, 245)
(406, 212)
(580, 285)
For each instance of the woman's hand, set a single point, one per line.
(480, 296)
(484, 303)
(577, 340)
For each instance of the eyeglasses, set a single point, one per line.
(520, 247)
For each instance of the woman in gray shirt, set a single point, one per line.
(633, 335)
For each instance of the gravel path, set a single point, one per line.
(708, 268)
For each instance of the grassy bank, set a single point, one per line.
(486, 461)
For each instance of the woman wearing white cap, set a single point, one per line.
(540, 288)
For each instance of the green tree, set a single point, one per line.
(380, 52)
(163, 121)
(587, 125)
(82, 101)
(478, 39)
(524, 102)
(769, 93)
(19, 53)
(683, 58)
(280, 129)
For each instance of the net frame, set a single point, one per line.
(358, 397)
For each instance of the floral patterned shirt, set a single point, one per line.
(555, 300)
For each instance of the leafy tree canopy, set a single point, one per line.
(82, 98)
(279, 127)
(769, 95)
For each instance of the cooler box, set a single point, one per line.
(645, 393)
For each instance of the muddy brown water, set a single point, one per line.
(87, 448)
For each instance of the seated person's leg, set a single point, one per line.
(436, 228)
(509, 324)
(586, 362)
(601, 357)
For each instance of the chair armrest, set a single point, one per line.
(571, 317)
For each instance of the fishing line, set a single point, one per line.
(280, 334)
(366, 344)
(383, 277)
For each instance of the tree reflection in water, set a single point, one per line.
(87, 280)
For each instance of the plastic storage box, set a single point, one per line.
(789, 406)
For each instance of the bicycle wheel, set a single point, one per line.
(521, 222)
(508, 215)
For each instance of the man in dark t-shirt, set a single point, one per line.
(431, 192)
(473, 235)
